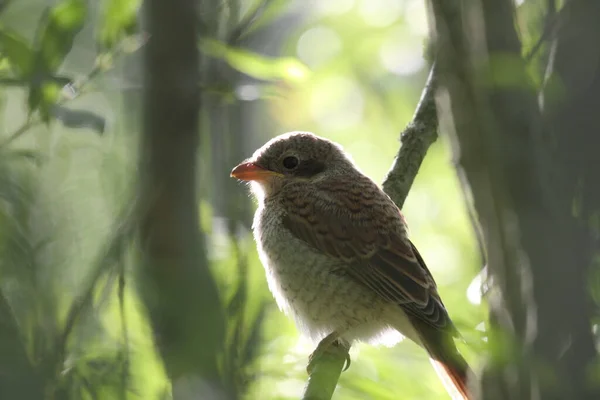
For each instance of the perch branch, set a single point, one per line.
(420, 133)
(326, 372)
(416, 138)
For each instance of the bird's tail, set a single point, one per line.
(453, 373)
(450, 366)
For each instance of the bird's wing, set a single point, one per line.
(361, 226)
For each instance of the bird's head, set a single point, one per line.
(291, 157)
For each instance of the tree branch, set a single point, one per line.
(325, 374)
(416, 138)
(420, 133)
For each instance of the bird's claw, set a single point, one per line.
(347, 362)
(332, 343)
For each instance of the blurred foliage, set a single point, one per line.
(348, 70)
(254, 64)
(55, 34)
(118, 20)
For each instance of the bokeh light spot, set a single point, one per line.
(415, 15)
(317, 45)
(337, 103)
(381, 12)
(247, 92)
(332, 7)
(401, 55)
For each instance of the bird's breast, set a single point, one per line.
(307, 284)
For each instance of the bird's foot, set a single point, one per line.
(333, 345)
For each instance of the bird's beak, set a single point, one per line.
(251, 172)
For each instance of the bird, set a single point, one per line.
(337, 256)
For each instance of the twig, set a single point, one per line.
(124, 332)
(106, 259)
(420, 133)
(31, 121)
(76, 86)
(416, 138)
(247, 21)
(325, 374)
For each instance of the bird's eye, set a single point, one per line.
(290, 162)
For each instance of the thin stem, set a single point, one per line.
(31, 122)
(416, 138)
(78, 88)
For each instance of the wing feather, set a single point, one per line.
(371, 239)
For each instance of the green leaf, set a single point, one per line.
(11, 81)
(531, 16)
(43, 96)
(256, 65)
(18, 52)
(58, 28)
(118, 20)
(79, 118)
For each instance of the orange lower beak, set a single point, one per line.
(252, 172)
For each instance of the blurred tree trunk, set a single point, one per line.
(233, 127)
(530, 172)
(572, 124)
(175, 282)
